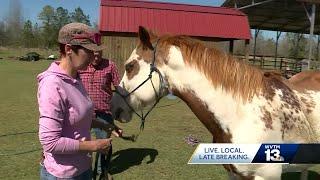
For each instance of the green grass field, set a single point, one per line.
(159, 153)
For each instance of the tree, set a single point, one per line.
(297, 45)
(61, 17)
(47, 16)
(37, 33)
(27, 34)
(269, 47)
(79, 16)
(259, 44)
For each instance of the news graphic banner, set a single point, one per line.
(256, 153)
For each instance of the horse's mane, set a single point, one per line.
(221, 69)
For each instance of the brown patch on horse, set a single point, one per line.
(143, 53)
(290, 107)
(266, 118)
(291, 118)
(205, 116)
(308, 103)
(271, 78)
(274, 82)
(233, 169)
(132, 69)
(147, 54)
(286, 124)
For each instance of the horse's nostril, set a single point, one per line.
(118, 112)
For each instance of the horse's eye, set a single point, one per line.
(129, 67)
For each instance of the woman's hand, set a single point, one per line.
(98, 145)
(102, 145)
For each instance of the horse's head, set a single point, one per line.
(143, 82)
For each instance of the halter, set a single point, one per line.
(162, 90)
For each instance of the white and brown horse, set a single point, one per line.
(236, 102)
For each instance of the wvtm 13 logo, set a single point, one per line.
(273, 153)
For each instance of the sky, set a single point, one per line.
(31, 8)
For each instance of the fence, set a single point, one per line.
(287, 66)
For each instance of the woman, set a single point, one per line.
(66, 111)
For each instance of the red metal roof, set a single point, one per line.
(124, 16)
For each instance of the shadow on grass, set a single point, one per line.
(312, 175)
(124, 159)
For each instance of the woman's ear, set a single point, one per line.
(68, 49)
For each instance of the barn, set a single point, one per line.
(120, 19)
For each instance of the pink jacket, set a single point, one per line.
(66, 113)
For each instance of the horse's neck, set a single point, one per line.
(200, 109)
(214, 107)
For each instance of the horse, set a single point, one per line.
(306, 80)
(236, 102)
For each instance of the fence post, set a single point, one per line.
(247, 49)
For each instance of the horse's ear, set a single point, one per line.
(145, 38)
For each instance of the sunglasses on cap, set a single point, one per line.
(94, 37)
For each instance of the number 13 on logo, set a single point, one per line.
(273, 155)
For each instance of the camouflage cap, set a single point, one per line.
(82, 35)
